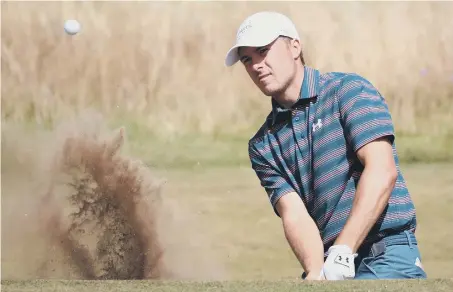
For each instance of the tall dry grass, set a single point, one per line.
(162, 63)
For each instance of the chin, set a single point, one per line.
(270, 90)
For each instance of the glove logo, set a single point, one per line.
(344, 260)
(339, 264)
(340, 259)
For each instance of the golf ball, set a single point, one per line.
(71, 26)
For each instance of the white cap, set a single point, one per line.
(260, 29)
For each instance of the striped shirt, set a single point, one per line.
(311, 149)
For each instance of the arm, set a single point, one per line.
(369, 130)
(300, 230)
(302, 234)
(373, 192)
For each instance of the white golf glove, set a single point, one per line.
(339, 264)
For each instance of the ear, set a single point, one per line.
(295, 48)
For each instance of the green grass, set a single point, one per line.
(424, 148)
(225, 149)
(438, 285)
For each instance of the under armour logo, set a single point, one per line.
(340, 259)
(317, 126)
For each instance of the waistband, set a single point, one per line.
(374, 249)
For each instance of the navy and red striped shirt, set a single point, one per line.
(311, 149)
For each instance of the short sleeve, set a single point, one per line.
(269, 176)
(364, 112)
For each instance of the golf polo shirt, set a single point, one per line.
(311, 149)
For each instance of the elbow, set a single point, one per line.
(392, 176)
(389, 175)
(384, 178)
(289, 206)
(289, 216)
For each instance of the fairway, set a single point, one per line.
(249, 286)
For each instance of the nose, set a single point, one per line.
(257, 64)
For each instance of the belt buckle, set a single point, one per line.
(378, 248)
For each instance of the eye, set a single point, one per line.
(262, 51)
(245, 60)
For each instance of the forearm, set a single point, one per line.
(372, 194)
(304, 239)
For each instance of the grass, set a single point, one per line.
(190, 118)
(250, 286)
(223, 221)
(173, 80)
(228, 150)
(169, 86)
(192, 150)
(233, 211)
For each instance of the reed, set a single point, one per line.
(161, 63)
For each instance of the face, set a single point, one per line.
(272, 67)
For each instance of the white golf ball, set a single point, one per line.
(71, 26)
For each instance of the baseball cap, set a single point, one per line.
(260, 29)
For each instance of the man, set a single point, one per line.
(326, 157)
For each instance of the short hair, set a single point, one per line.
(301, 56)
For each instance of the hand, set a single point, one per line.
(339, 264)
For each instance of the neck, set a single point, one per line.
(290, 96)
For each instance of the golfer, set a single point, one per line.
(326, 157)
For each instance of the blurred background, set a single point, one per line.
(157, 68)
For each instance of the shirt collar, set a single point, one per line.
(309, 90)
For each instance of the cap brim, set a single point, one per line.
(232, 56)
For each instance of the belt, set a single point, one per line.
(378, 248)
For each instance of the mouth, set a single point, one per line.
(263, 76)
